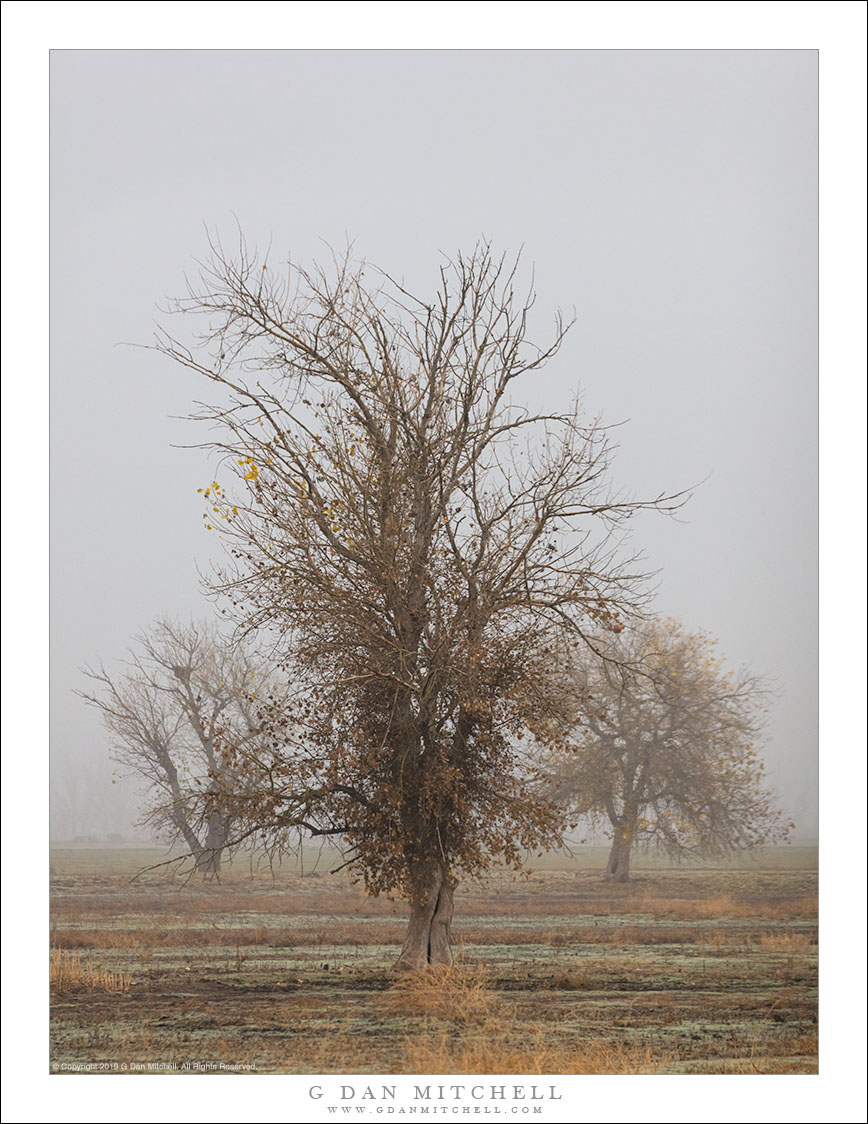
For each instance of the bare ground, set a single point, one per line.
(680, 971)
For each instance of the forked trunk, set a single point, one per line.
(428, 939)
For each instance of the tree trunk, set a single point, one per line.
(209, 857)
(428, 939)
(618, 866)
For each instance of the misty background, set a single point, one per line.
(669, 196)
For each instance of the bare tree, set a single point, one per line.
(668, 750)
(184, 696)
(426, 546)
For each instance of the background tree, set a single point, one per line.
(184, 696)
(427, 547)
(667, 753)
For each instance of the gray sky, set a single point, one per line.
(669, 196)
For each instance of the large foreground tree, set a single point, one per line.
(427, 543)
(667, 753)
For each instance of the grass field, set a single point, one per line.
(682, 970)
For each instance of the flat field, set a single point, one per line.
(682, 970)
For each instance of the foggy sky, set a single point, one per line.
(669, 196)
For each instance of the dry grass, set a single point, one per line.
(571, 981)
(788, 942)
(67, 972)
(496, 1048)
(461, 992)
(392, 933)
(495, 1045)
(770, 1054)
(795, 1045)
(490, 1041)
(179, 936)
(724, 906)
(682, 972)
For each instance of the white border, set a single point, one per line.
(837, 30)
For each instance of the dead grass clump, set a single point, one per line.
(461, 992)
(494, 1050)
(67, 972)
(570, 981)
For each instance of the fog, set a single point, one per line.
(670, 197)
